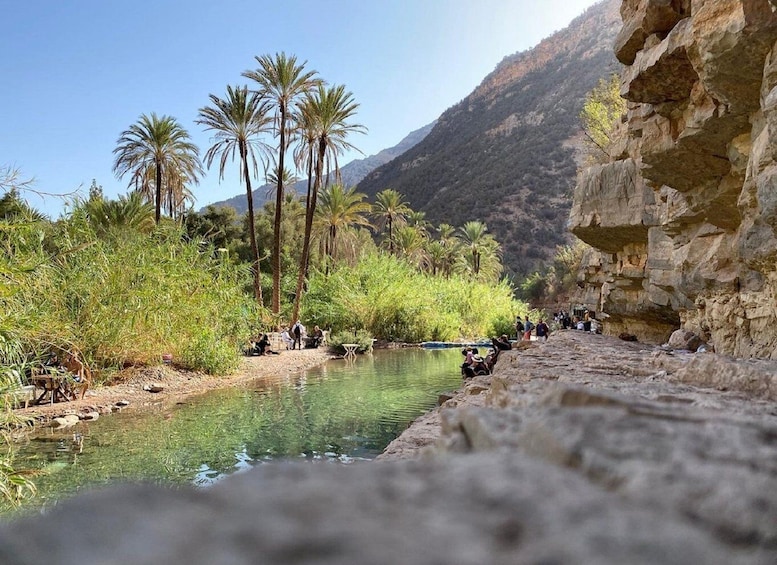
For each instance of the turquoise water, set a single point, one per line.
(340, 412)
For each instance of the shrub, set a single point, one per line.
(393, 301)
(208, 353)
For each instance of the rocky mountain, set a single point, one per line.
(351, 173)
(506, 153)
(684, 217)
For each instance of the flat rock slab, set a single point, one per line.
(580, 450)
(468, 509)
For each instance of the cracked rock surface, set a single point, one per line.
(583, 450)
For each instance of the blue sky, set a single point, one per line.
(75, 74)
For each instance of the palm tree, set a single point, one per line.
(390, 211)
(281, 81)
(176, 196)
(238, 122)
(340, 209)
(437, 255)
(156, 144)
(129, 212)
(287, 179)
(411, 244)
(479, 245)
(325, 115)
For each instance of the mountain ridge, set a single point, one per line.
(505, 154)
(351, 173)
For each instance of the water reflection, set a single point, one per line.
(338, 412)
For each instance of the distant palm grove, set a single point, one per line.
(121, 281)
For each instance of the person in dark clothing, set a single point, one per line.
(501, 343)
(542, 330)
(315, 338)
(518, 328)
(296, 334)
(261, 345)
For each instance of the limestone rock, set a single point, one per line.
(684, 339)
(689, 211)
(64, 421)
(643, 18)
(585, 450)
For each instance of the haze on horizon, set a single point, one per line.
(78, 74)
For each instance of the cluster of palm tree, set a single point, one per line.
(286, 102)
(403, 232)
(312, 120)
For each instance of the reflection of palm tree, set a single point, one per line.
(390, 211)
(340, 209)
(281, 81)
(151, 146)
(325, 114)
(237, 122)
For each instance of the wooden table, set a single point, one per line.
(59, 386)
(350, 349)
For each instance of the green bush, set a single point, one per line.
(125, 298)
(208, 353)
(503, 325)
(392, 301)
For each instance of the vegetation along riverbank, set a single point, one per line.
(114, 285)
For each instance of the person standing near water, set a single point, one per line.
(297, 331)
(542, 330)
(528, 326)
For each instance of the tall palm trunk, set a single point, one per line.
(391, 235)
(310, 210)
(330, 247)
(252, 226)
(276, 247)
(158, 195)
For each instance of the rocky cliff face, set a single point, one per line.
(684, 217)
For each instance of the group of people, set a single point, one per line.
(293, 337)
(296, 337)
(582, 320)
(524, 329)
(474, 364)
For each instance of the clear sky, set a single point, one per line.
(75, 74)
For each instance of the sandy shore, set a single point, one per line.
(133, 384)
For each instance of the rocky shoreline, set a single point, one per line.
(142, 387)
(584, 449)
(602, 364)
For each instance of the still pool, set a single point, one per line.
(340, 412)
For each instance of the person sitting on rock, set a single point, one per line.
(479, 366)
(502, 343)
(491, 358)
(466, 367)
